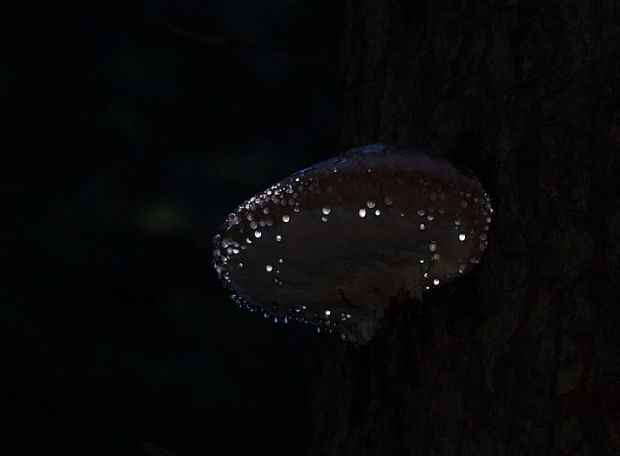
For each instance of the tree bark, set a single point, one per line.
(522, 355)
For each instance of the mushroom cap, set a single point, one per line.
(331, 243)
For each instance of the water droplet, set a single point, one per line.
(240, 265)
(432, 246)
(388, 200)
(370, 204)
(253, 225)
(461, 237)
(483, 237)
(269, 268)
(421, 212)
(430, 217)
(422, 227)
(257, 234)
(324, 219)
(326, 210)
(362, 213)
(377, 212)
(266, 211)
(457, 222)
(281, 260)
(463, 204)
(286, 218)
(328, 312)
(435, 281)
(278, 238)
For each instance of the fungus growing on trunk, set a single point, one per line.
(330, 244)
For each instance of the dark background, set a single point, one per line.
(128, 146)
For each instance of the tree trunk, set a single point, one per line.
(522, 355)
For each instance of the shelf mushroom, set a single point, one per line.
(331, 243)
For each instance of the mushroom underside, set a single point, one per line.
(341, 273)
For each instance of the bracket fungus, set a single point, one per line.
(331, 243)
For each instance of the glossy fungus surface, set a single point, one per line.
(330, 244)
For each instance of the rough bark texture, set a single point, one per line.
(522, 355)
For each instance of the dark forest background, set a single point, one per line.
(126, 146)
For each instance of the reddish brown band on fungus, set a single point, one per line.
(330, 244)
